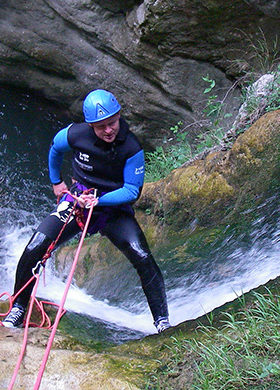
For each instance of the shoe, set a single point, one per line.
(162, 323)
(15, 318)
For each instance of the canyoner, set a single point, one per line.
(107, 174)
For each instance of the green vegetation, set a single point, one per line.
(265, 54)
(243, 354)
(274, 100)
(166, 158)
(176, 150)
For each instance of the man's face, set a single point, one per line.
(107, 129)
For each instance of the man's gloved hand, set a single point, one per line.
(59, 189)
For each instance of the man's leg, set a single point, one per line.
(46, 233)
(33, 252)
(125, 233)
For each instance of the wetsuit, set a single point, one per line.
(116, 170)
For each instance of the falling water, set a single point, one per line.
(27, 125)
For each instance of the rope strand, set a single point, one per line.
(69, 281)
(40, 305)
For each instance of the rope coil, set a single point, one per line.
(91, 202)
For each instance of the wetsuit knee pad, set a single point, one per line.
(34, 252)
(136, 253)
(38, 242)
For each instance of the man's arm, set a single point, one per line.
(133, 173)
(58, 148)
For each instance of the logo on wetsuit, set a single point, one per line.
(82, 159)
(63, 210)
(140, 170)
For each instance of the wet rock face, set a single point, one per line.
(151, 54)
(65, 368)
(121, 6)
(270, 8)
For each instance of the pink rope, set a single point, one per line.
(58, 315)
(61, 310)
(24, 343)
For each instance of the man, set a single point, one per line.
(108, 158)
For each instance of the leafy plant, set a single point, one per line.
(213, 106)
(177, 150)
(209, 139)
(170, 156)
(175, 129)
(245, 352)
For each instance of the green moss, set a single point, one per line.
(78, 333)
(224, 183)
(87, 264)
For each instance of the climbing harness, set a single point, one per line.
(90, 202)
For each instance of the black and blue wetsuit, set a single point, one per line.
(116, 170)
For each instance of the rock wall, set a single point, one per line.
(151, 54)
(68, 367)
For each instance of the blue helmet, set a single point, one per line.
(99, 105)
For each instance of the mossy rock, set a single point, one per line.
(224, 183)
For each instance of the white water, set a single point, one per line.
(244, 272)
(197, 293)
(209, 284)
(78, 300)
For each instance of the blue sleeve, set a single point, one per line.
(59, 147)
(133, 173)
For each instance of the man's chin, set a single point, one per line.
(109, 139)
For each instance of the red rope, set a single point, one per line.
(45, 318)
(69, 281)
(23, 348)
(61, 310)
(39, 305)
(40, 263)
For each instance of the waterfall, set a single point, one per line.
(27, 125)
